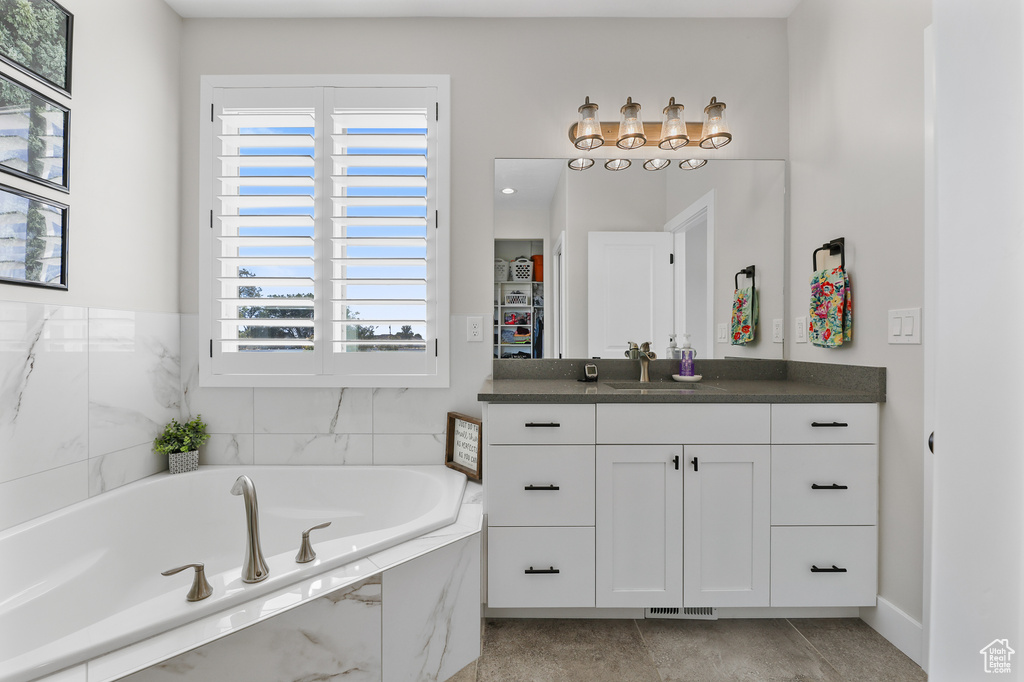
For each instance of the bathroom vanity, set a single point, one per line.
(757, 487)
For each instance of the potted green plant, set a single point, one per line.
(180, 442)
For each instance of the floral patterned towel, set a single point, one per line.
(831, 308)
(744, 316)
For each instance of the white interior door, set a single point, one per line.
(629, 292)
(693, 230)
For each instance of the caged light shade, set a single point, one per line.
(631, 128)
(715, 134)
(588, 129)
(673, 127)
(657, 164)
(692, 164)
(617, 164)
(581, 164)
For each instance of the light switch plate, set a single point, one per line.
(800, 329)
(777, 335)
(723, 333)
(904, 326)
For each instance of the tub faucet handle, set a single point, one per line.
(306, 553)
(200, 585)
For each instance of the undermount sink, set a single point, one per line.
(661, 386)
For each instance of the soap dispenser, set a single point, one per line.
(687, 355)
(673, 352)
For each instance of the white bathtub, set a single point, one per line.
(85, 580)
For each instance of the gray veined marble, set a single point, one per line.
(43, 375)
(337, 636)
(134, 377)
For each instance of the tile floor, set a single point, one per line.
(768, 650)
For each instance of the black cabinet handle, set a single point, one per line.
(834, 569)
(534, 571)
(931, 442)
(694, 461)
(541, 487)
(834, 486)
(829, 424)
(675, 460)
(536, 425)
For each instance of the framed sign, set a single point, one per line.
(34, 134)
(33, 240)
(463, 445)
(36, 40)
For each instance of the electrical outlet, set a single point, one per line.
(723, 333)
(777, 336)
(800, 329)
(474, 328)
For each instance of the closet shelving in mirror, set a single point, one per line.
(518, 301)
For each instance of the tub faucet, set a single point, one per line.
(644, 354)
(254, 566)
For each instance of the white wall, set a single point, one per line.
(978, 511)
(857, 171)
(124, 222)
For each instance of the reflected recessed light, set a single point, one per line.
(580, 164)
(656, 164)
(693, 164)
(617, 164)
(508, 190)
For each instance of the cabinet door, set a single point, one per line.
(639, 525)
(727, 533)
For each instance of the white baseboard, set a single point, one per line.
(905, 633)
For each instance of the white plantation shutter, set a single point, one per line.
(324, 243)
(383, 287)
(265, 231)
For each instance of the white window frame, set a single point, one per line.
(367, 377)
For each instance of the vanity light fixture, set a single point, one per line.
(673, 127)
(657, 164)
(715, 133)
(692, 164)
(631, 128)
(617, 164)
(580, 164)
(588, 130)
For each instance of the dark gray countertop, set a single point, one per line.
(724, 381)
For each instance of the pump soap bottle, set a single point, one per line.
(687, 354)
(673, 352)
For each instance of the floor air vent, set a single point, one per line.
(688, 613)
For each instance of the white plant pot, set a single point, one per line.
(182, 462)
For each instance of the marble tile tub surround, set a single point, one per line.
(83, 393)
(853, 378)
(331, 425)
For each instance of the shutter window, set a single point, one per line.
(324, 245)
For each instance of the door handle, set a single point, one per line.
(931, 442)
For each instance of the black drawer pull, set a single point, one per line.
(696, 464)
(541, 487)
(829, 424)
(534, 571)
(548, 425)
(834, 486)
(834, 569)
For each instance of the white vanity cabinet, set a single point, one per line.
(824, 477)
(540, 505)
(722, 515)
(681, 504)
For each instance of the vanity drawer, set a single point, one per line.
(537, 423)
(514, 555)
(540, 485)
(824, 485)
(690, 423)
(825, 423)
(805, 560)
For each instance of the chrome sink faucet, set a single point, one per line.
(644, 354)
(254, 566)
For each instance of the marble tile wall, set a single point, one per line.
(83, 393)
(331, 425)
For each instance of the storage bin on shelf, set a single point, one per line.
(522, 270)
(517, 298)
(500, 270)
(517, 318)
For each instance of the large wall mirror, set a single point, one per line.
(635, 255)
